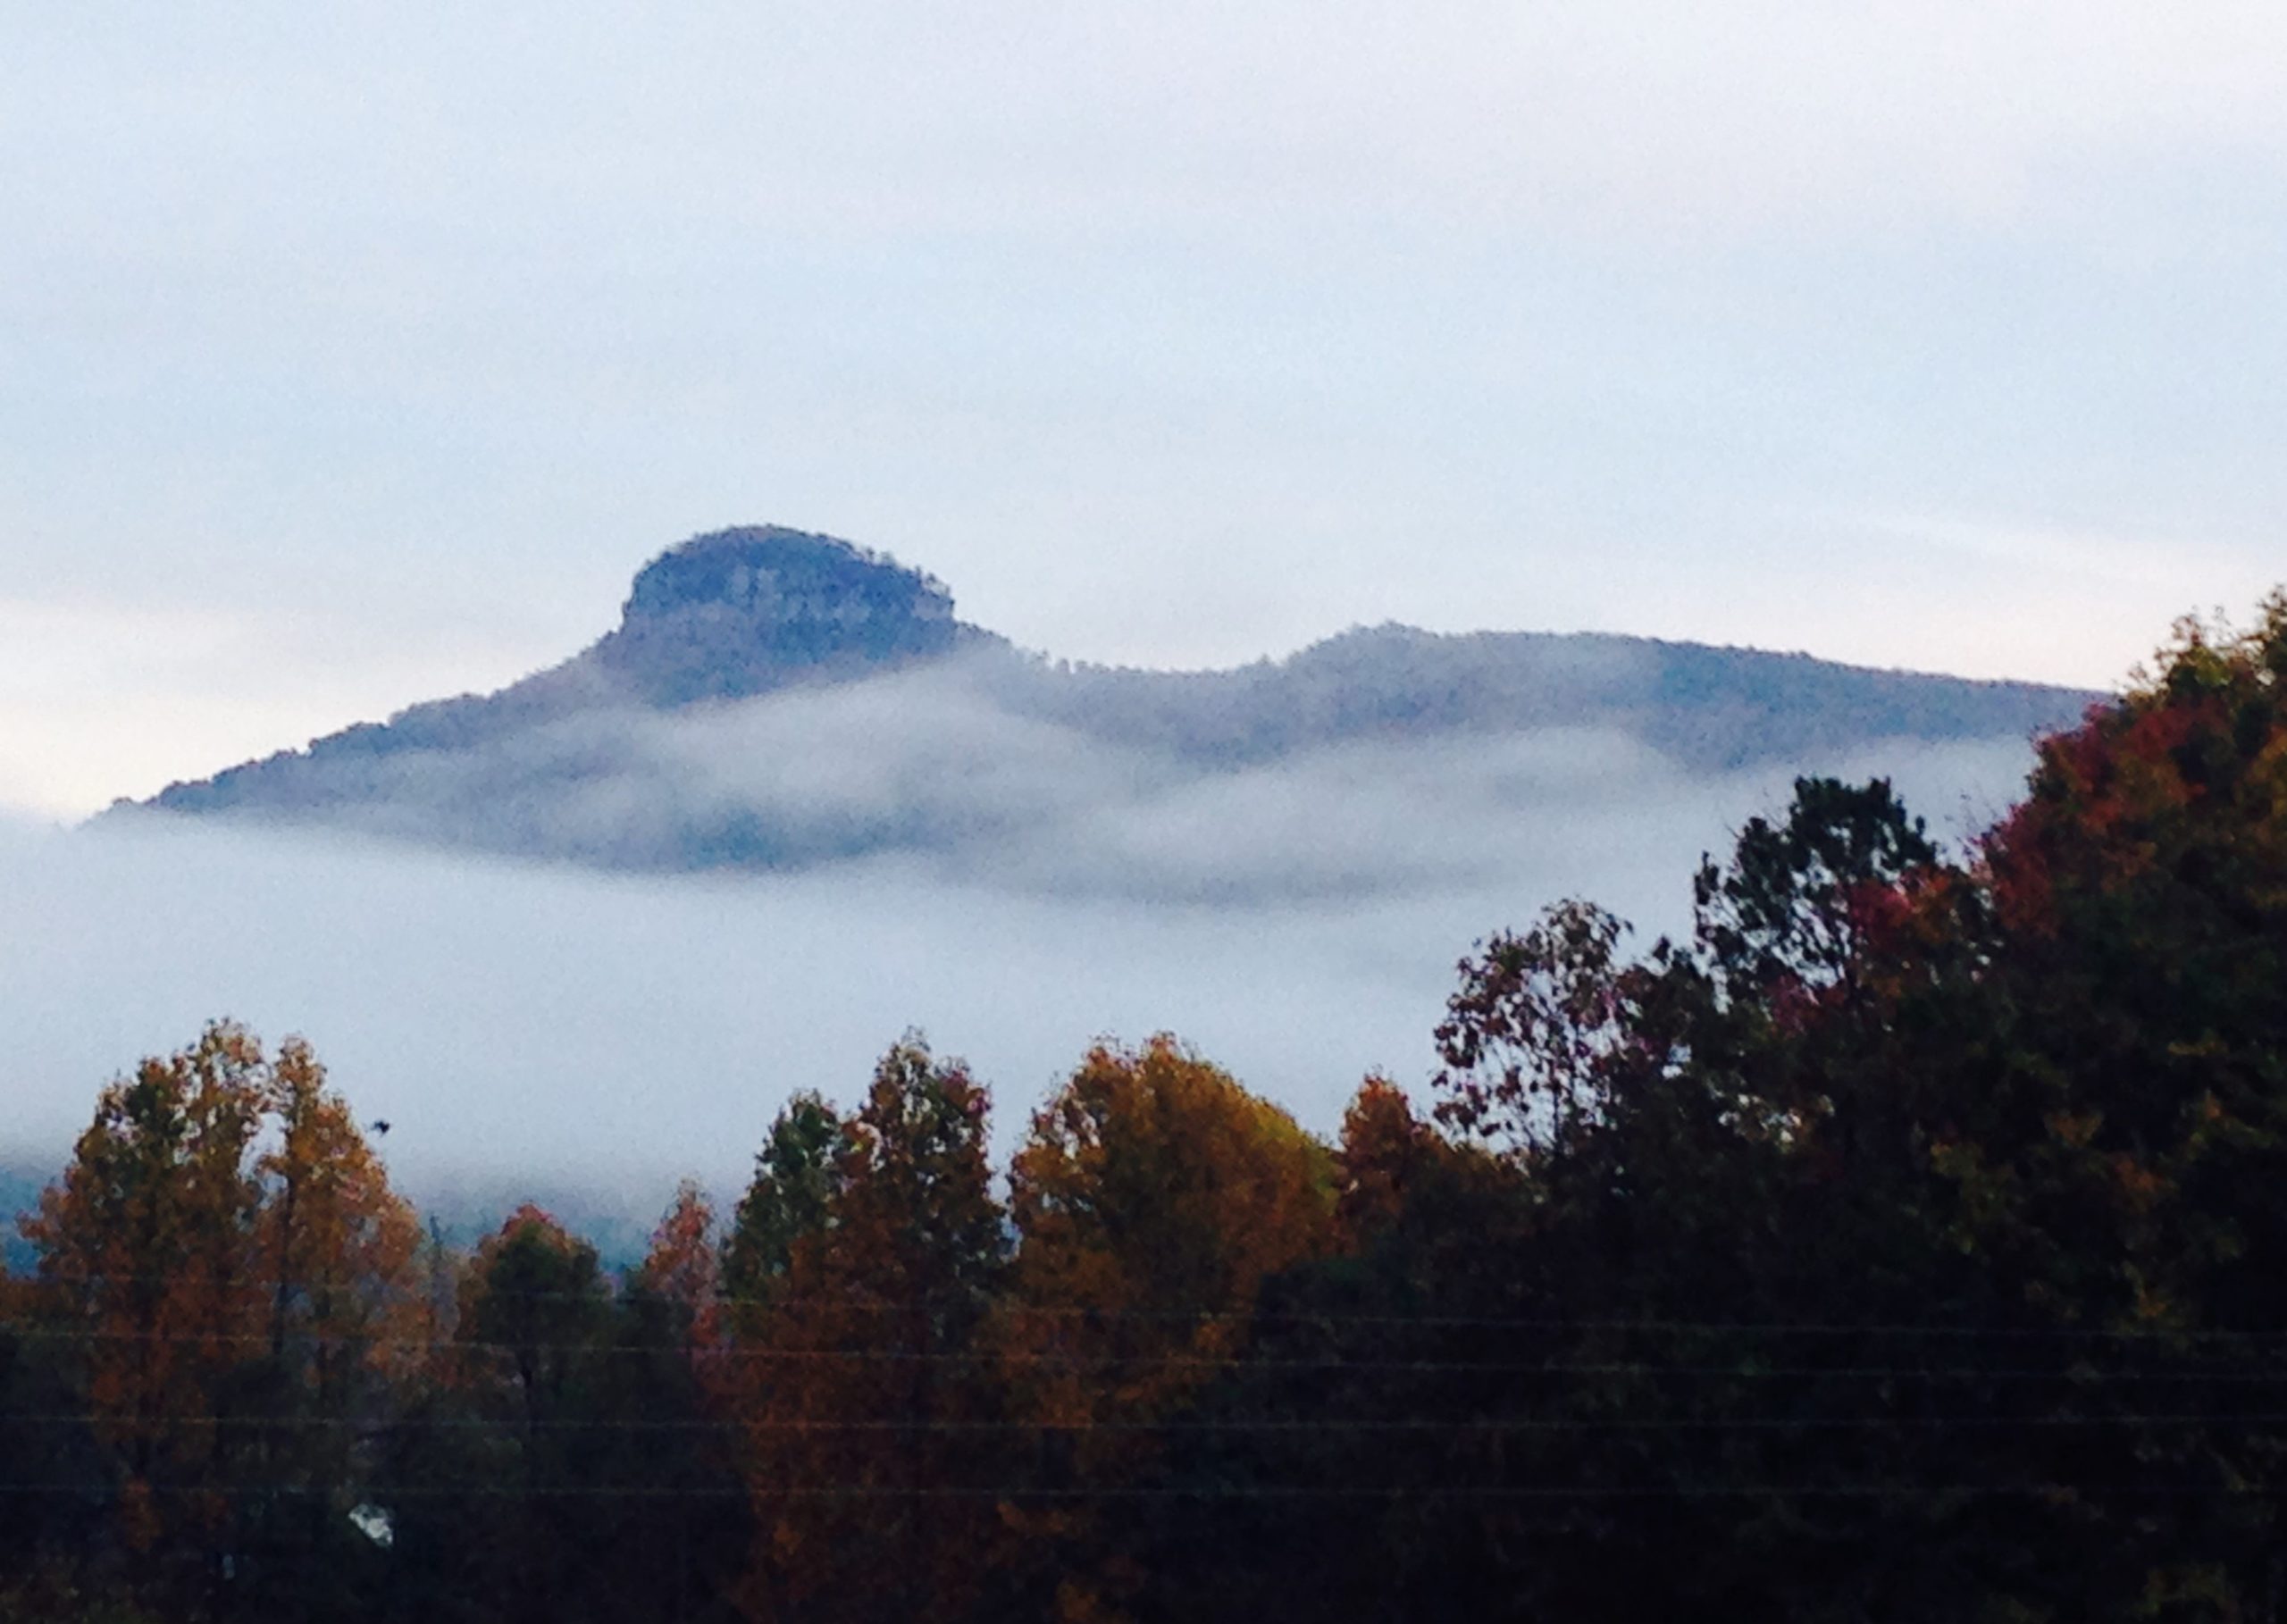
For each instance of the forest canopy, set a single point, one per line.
(1902, 1242)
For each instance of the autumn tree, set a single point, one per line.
(2119, 1160)
(1332, 1469)
(867, 1382)
(1152, 1199)
(1726, 1144)
(677, 1427)
(1975, 1153)
(340, 1299)
(146, 1260)
(224, 1258)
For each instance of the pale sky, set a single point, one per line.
(354, 355)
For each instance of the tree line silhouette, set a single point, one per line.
(1906, 1243)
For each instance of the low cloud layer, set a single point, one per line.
(541, 1026)
(1383, 765)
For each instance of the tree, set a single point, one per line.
(1984, 1158)
(867, 1379)
(500, 1501)
(1724, 1140)
(1152, 1200)
(228, 1269)
(2120, 1158)
(1530, 1038)
(666, 1421)
(798, 1172)
(1336, 1461)
(340, 1296)
(145, 1261)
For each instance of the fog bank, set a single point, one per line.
(553, 1028)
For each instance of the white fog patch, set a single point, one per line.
(1357, 822)
(969, 773)
(545, 1027)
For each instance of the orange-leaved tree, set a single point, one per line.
(337, 1245)
(1152, 1200)
(146, 1255)
(868, 1395)
(225, 1257)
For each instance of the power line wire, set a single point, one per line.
(386, 1494)
(1529, 1424)
(2079, 1374)
(635, 1292)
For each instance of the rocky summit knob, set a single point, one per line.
(743, 611)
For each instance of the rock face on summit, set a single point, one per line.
(774, 698)
(740, 612)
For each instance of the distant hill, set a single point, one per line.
(774, 698)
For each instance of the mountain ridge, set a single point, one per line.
(776, 617)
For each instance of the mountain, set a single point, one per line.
(776, 698)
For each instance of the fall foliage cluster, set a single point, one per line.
(1907, 1242)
